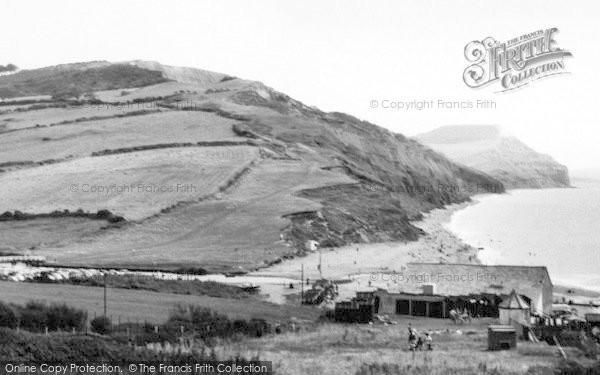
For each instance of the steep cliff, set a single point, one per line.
(487, 149)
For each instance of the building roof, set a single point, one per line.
(452, 279)
(514, 302)
(501, 328)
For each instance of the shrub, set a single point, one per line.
(33, 320)
(207, 323)
(63, 317)
(37, 316)
(101, 325)
(8, 316)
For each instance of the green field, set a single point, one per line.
(83, 138)
(143, 183)
(57, 115)
(18, 236)
(217, 235)
(135, 305)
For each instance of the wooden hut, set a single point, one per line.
(515, 311)
(501, 337)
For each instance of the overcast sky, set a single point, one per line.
(341, 55)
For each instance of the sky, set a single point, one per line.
(342, 55)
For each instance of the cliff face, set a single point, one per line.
(397, 177)
(504, 157)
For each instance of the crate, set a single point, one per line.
(501, 337)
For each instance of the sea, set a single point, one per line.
(556, 228)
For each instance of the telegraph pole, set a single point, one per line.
(320, 265)
(302, 283)
(105, 295)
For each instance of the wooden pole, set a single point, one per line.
(105, 295)
(320, 266)
(302, 284)
(560, 349)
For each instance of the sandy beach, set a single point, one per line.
(360, 265)
(438, 245)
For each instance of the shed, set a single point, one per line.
(353, 312)
(502, 337)
(513, 310)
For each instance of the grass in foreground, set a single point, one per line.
(376, 349)
(64, 348)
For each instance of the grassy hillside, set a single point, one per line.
(76, 79)
(91, 135)
(307, 174)
(134, 185)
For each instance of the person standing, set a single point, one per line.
(428, 341)
(412, 337)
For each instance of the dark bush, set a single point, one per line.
(206, 323)
(37, 316)
(109, 216)
(8, 316)
(33, 320)
(227, 78)
(103, 214)
(101, 325)
(192, 270)
(63, 317)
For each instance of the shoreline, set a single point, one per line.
(357, 266)
(438, 244)
(578, 294)
(360, 265)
